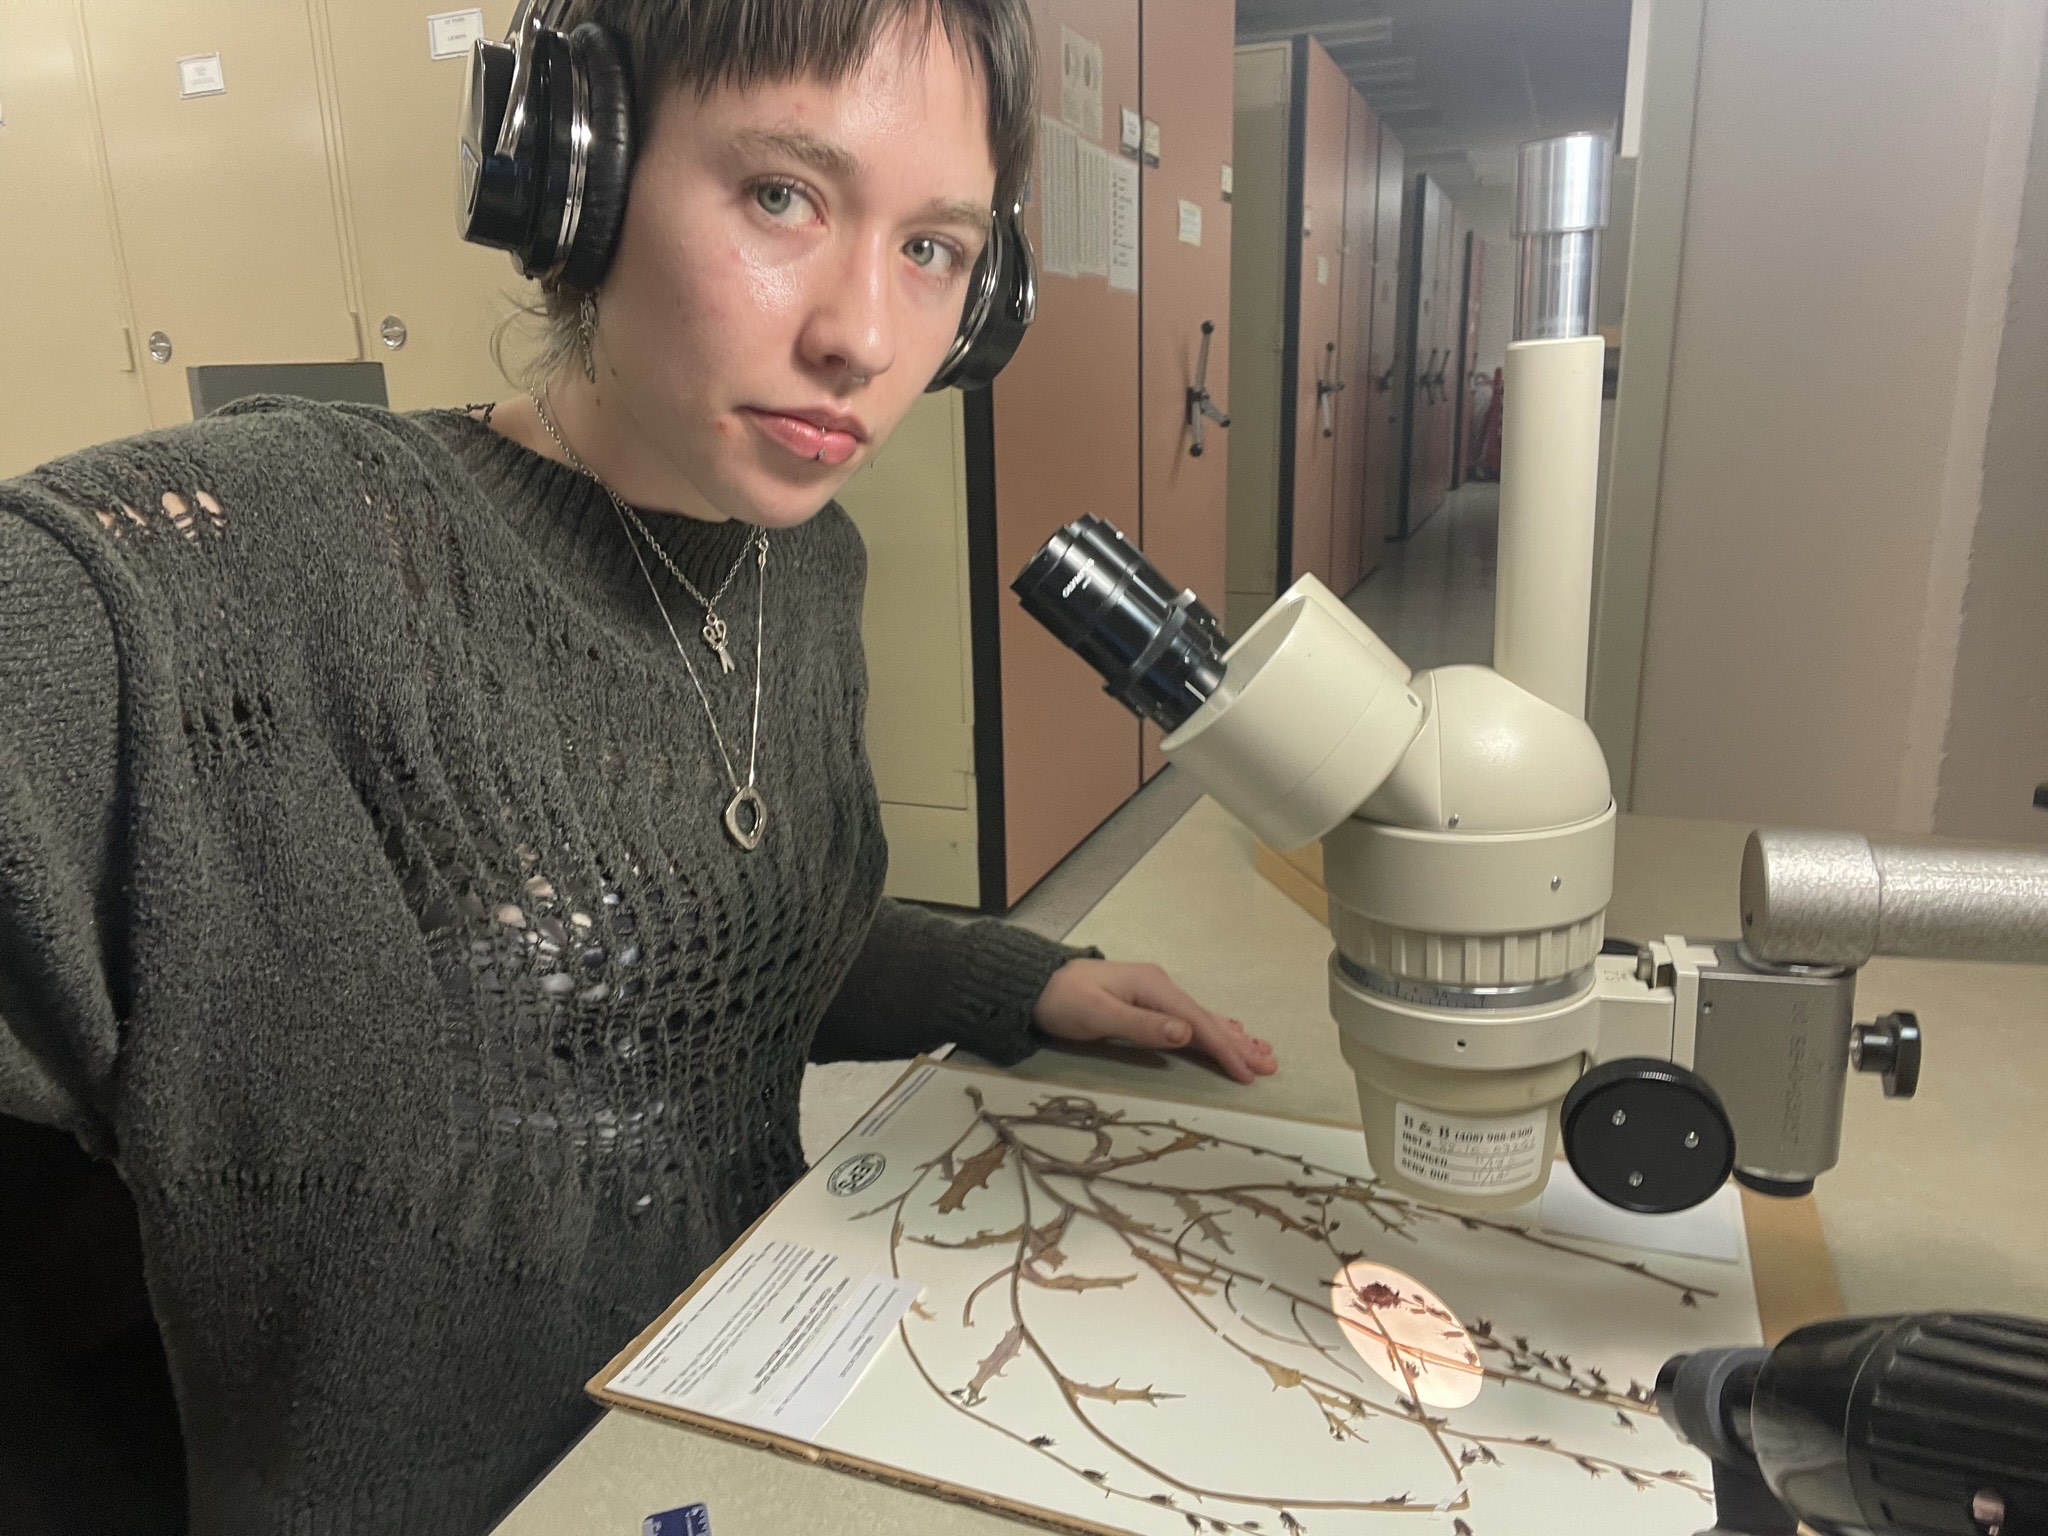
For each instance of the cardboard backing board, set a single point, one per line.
(937, 1475)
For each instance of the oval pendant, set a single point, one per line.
(746, 818)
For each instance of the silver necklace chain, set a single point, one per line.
(746, 815)
(715, 632)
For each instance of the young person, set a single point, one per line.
(432, 844)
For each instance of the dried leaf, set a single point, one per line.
(1077, 1282)
(1042, 1442)
(921, 1310)
(1273, 1212)
(1183, 1277)
(1043, 1247)
(1116, 1392)
(1290, 1524)
(1283, 1375)
(992, 1367)
(982, 1239)
(1591, 1468)
(1460, 1528)
(1094, 1476)
(1203, 1219)
(1688, 1300)
(974, 1174)
(1625, 1421)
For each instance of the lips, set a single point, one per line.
(820, 436)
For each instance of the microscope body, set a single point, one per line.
(1467, 829)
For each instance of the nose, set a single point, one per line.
(851, 332)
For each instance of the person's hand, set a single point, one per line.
(1108, 1000)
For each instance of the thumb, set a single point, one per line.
(1145, 1026)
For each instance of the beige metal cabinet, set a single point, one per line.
(67, 369)
(911, 506)
(399, 117)
(228, 210)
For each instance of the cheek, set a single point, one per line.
(771, 285)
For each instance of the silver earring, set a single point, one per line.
(586, 333)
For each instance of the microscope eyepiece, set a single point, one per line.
(1159, 651)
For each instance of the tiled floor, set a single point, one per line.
(1431, 598)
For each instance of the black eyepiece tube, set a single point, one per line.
(1160, 652)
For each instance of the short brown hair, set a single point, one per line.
(703, 44)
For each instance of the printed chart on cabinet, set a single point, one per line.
(1129, 1315)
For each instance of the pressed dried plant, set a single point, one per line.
(1068, 1168)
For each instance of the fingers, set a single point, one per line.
(1224, 1040)
(1099, 999)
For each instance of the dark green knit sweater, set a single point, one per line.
(364, 896)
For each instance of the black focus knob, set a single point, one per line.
(1890, 1047)
(1647, 1135)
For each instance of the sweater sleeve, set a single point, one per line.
(922, 980)
(60, 682)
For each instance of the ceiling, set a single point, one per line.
(1463, 82)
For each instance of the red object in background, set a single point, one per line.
(1486, 447)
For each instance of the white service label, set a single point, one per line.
(1493, 1155)
(452, 34)
(200, 75)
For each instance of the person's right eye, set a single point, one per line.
(782, 201)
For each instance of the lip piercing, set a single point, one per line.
(821, 456)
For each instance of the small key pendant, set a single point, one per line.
(714, 636)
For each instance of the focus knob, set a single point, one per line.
(1891, 1048)
(1647, 1135)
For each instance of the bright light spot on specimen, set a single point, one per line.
(1411, 1340)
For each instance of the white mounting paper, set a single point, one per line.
(1126, 1324)
(200, 75)
(451, 34)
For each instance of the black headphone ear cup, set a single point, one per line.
(601, 60)
(992, 333)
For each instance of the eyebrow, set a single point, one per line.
(836, 160)
(820, 154)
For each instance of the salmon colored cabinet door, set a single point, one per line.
(1063, 429)
(1184, 285)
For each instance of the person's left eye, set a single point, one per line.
(935, 256)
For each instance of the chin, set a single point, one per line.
(780, 504)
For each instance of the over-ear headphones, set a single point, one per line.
(547, 153)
